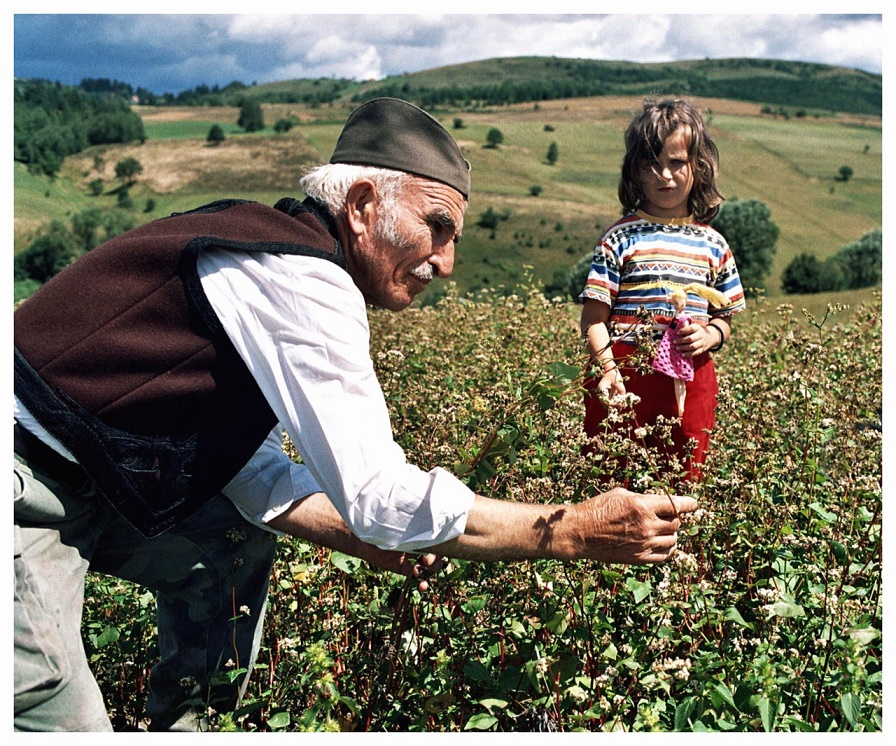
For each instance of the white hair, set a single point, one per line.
(329, 184)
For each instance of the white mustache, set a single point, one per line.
(423, 273)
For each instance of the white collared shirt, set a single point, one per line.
(301, 326)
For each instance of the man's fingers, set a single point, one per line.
(669, 506)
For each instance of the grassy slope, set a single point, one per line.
(789, 164)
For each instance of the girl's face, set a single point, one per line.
(668, 181)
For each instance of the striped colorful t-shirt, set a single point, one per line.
(641, 250)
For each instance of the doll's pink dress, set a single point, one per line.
(668, 359)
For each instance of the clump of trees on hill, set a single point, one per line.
(53, 121)
(858, 264)
(60, 244)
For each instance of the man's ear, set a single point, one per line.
(360, 204)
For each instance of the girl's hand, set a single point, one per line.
(610, 386)
(695, 339)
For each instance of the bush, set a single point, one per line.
(251, 117)
(858, 264)
(23, 289)
(748, 228)
(861, 261)
(491, 218)
(216, 134)
(807, 274)
(494, 138)
(48, 255)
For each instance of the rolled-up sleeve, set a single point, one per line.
(301, 326)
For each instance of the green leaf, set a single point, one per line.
(476, 671)
(851, 707)
(639, 590)
(766, 712)
(733, 615)
(727, 695)
(493, 704)
(863, 635)
(786, 607)
(825, 515)
(279, 720)
(839, 551)
(345, 562)
(563, 372)
(482, 721)
(683, 714)
(108, 635)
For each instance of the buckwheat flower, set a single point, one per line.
(244, 610)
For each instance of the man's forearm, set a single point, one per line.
(617, 527)
(315, 519)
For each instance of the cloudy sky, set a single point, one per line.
(169, 53)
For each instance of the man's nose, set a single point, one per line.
(442, 259)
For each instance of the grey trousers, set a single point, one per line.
(210, 574)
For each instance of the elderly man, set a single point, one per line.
(153, 379)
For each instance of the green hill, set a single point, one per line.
(549, 215)
(777, 83)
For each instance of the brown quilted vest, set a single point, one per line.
(133, 371)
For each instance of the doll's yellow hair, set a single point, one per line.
(712, 295)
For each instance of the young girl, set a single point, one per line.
(662, 266)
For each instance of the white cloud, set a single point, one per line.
(170, 53)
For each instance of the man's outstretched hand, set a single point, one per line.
(629, 528)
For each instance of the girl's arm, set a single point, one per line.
(595, 315)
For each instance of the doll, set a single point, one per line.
(668, 359)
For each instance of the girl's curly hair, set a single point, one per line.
(644, 141)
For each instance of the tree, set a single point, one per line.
(48, 255)
(807, 274)
(215, 134)
(553, 152)
(251, 117)
(845, 173)
(860, 262)
(491, 217)
(748, 228)
(494, 137)
(128, 169)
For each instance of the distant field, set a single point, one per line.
(790, 164)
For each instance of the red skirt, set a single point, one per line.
(690, 437)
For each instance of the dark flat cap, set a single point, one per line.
(391, 133)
